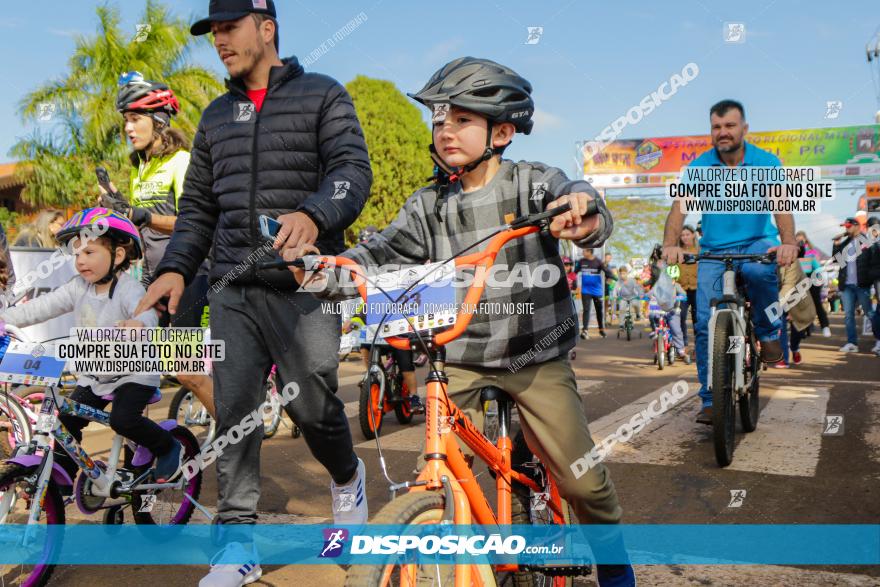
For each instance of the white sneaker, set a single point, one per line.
(849, 348)
(826, 332)
(233, 573)
(876, 348)
(350, 500)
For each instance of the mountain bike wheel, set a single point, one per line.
(527, 507)
(417, 507)
(370, 408)
(15, 426)
(271, 409)
(723, 396)
(17, 478)
(748, 401)
(188, 411)
(170, 507)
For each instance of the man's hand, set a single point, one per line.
(573, 225)
(785, 254)
(673, 254)
(297, 230)
(314, 279)
(167, 285)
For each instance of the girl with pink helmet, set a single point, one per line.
(103, 295)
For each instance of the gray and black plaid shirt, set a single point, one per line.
(426, 229)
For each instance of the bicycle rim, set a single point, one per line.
(171, 506)
(14, 477)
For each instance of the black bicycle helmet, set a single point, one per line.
(482, 86)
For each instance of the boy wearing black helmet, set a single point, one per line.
(477, 106)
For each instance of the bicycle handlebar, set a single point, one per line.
(690, 258)
(482, 260)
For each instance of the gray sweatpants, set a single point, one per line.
(261, 326)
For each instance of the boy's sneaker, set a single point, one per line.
(584, 335)
(615, 576)
(780, 365)
(826, 332)
(416, 405)
(796, 356)
(849, 348)
(876, 348)
(232, 573)
(602, 333)
(169, 465)
(350, 500)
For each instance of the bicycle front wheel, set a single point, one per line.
(723, 396)
(170, 506)
(748, 402)
(370, 408)
(17, 479)
(417, 507)
(15, 426)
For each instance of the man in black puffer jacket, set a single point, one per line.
(285, 144)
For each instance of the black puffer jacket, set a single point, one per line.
(304, 151)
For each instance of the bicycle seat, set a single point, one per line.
(492, 393)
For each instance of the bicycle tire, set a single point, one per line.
(180, 396)
(661, 354)
(522, 513)
(749, 411)
(416, 507)
(53, 511)
(18, 430)
(192, 487)
(629, 334)
(369, 413)
(723, 396)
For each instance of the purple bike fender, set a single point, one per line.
(142, 455)
(59, 475)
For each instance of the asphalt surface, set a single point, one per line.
(790, 471)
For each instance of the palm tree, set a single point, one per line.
(86, 130)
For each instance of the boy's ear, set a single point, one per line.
(502, 134)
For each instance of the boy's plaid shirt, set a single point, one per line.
(427, 229)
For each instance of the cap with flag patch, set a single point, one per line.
(225, 10)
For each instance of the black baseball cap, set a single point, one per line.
(224, 10)
(850, 222)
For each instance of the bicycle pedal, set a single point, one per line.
(560, 570)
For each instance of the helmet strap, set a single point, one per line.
(111, 273)
(445, 175)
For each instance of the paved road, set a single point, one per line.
(790, 472)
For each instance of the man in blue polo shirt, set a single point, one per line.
(734, 233)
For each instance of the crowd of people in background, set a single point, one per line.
(598, 285)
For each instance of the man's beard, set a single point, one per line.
(732, 147)
(254, 55)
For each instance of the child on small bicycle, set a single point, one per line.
(478, 105)
(672, 311)
(103, 295)
(629, 292)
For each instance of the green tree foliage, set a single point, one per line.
(638, 226)
(398, 140)
(84, 129)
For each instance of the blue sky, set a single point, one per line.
(594, 61)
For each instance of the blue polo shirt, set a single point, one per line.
(725, 231)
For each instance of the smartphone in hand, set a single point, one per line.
(269, 227)
(103, 179)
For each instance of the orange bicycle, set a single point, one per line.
(446, 490)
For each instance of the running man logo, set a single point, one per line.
(341, 189)
(345, 502)
(737, 497)
(147, 504)
(734, 32)
(535, 34)
(833, 425)
(244, 111)
(142, 32)
(538, 192)
(440, 113)
(45, 111)
(736, 345)
(334, 538)
(833, 109)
